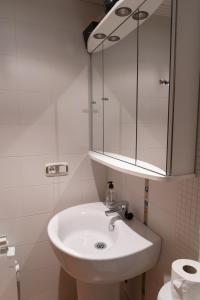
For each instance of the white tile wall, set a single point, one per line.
(7, 35)
(43, 118)
(174, 214)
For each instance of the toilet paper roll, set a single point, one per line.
(185, 281)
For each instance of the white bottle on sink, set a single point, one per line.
(110, 195)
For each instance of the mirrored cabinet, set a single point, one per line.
(144, 90)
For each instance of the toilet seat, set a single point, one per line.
(165, 292)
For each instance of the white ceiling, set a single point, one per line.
(100, 2)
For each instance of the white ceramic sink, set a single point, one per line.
(130, 249)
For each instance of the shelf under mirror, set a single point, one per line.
(116, 163)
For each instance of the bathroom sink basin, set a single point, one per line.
(90, 251)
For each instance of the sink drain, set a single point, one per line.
(100, 245)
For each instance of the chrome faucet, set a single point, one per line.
(121, 208)
(111, 225)
(118, 207)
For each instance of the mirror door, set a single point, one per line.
(153, 87)
(96, 100)
(120, 88)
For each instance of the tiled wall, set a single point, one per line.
(174, 214)
(43, 118)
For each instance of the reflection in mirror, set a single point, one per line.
(97, 103)
(120, 86)
(153, 86)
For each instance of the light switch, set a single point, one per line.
(57, 169)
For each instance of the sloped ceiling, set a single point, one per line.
(100, 2)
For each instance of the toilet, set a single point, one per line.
(165, 292)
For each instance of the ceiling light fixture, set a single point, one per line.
(113, 38)
(99, 36)
(123, 11)
(140, 15)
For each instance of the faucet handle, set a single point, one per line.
(117, 206)
(122, 204)
(122, 209)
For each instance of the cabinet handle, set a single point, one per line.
(164, 82)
